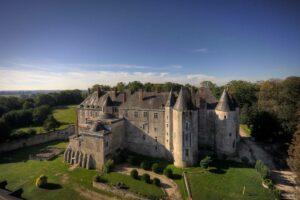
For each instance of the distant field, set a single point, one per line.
(66, 115)
(225, 180)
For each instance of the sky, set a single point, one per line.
(59, 44)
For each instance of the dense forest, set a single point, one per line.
(33, 110)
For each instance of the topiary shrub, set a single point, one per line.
(41, 181)
(99, 179)
(108, 166)
(146, 178)
(168, 172)
(134, 174)
(204, 163)
(145, 165)
(156, 182)
(155, 168)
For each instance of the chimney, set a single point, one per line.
(141, 94)
(115, 92)
(99, 92)
(89, 91)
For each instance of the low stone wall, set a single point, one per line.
(38, 139)
(123, 193)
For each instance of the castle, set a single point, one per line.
(177, 127)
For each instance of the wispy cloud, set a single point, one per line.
(11, 79)
(201, 50)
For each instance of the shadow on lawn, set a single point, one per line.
(217, 171)
(52, 186)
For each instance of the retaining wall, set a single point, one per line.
(38, 139)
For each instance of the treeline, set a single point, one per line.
(16, 112)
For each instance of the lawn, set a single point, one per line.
(66, 115)
(65, 183)
(246, 129)
(136, 186)
(224, 180)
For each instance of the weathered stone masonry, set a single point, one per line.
(174, 126)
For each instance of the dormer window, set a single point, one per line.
(224, 116)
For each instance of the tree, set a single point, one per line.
(28, 103)
(50, 123)
(204, 163)
(294, 153)
(120, 86)
(135, 86)
(215, 90)
(45, 99)
(40, 114)
(4, 131)
(108, 166)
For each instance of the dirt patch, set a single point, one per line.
(91, 195)
(65, 178)
(72, 167)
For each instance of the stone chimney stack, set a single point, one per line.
(115, 92)
(99, 92)
(89, 91)
(141, 94)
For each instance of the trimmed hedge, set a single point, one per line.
(155, 168)
(168, 172)
(134, 174)
(146, 178)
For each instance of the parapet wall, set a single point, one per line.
(38, 139)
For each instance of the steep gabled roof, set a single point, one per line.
(223, 104)
(107, 101)
(171, 99)
(183, 101)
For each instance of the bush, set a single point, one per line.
(108, 166)
(41, 181)
(50, 123)
(31, 131)
(204, 163)
(145, 165)
(276, 193)
(146, 178)
(268, 183)
(262, 169)
(155, 168)
(134, 174)
(168, 172)
(99, 179)
(156, 182)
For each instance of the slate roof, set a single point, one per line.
(171, 99)
(227, 102)
(184, 101)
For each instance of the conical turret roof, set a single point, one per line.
(223, 104)
(171, 99)
(184, 100)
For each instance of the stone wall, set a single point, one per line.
(38, 139)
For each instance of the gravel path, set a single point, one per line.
(284, 180)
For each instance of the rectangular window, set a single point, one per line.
(155, 115)
(136, 114)
(115, 109)
(186, 153)
(186, 137)
(167, 125)
(146, 114)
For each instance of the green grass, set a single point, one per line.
(225, 180)
(20, 172)
(66, 115)
(136, 186)
(246, 129)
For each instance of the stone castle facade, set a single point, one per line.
(178, 127)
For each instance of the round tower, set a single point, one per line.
(226, 126)
(169, 124)
(185, 130)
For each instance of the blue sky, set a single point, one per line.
(74, 44)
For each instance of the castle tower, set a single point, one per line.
(226, 125)
(185, 130)
(169, 123)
